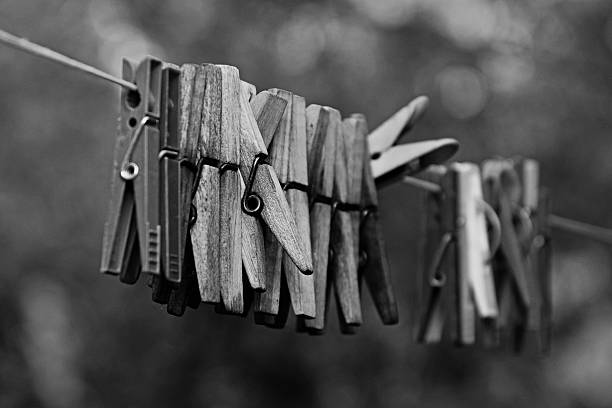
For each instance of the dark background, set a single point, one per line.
(508, 78)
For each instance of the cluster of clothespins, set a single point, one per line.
(486, 275)
(252, 200)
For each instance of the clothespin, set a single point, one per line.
(216, 234)
(343, 268)
(264, 195)
(132, 233)
(253, 251)
(535, 240)
(503, 188)
(374, 266)
(389, 161)
(543, 245)
(183, 108)
(288, 153)
(461, 222)
(321, 135)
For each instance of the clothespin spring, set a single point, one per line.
(129, 169)
(251, 202)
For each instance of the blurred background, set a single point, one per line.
(528, 78)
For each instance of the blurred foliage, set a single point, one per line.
(528, 77)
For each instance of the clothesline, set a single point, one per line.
(594, 232)
(577, 227)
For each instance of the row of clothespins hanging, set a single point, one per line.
(252, 200)
(486, 275)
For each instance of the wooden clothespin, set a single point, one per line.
(253, 251)
(503, 192)
(535, 241)
(184, 111)
(343, 268)
(288, 155)
(374, 266)
(321, 157)
(132, 233)
(389, 161)
(216, 233)
(457, 223)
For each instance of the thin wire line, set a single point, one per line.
(594, 232)
(35, 49)
(422, 184)
(577, 227)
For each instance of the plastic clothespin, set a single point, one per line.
(216, 233)
(288, 156)
(321, 157)
(389, 161)
(503, 192)
(461, 214)
(132, 233)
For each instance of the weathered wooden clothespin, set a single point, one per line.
(253, 251)
(132, 233)
(456, 224)
(389, 161)
(343, 268)
(183, 110)
(288, 155)
(321, 157)
(373, 266)
(216, 233)
(503, 192)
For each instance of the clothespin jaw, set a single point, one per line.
(389, 161)
(134, 209)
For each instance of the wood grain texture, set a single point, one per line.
(287, 153)
(268, 109)
(268, 301)
(321, 157)
(374, 270)
(230, 235)
(343, 265)
(301, 287)
(276, 213)
(191, 94)
(355, 133)
(253, 249)
(205, 231)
